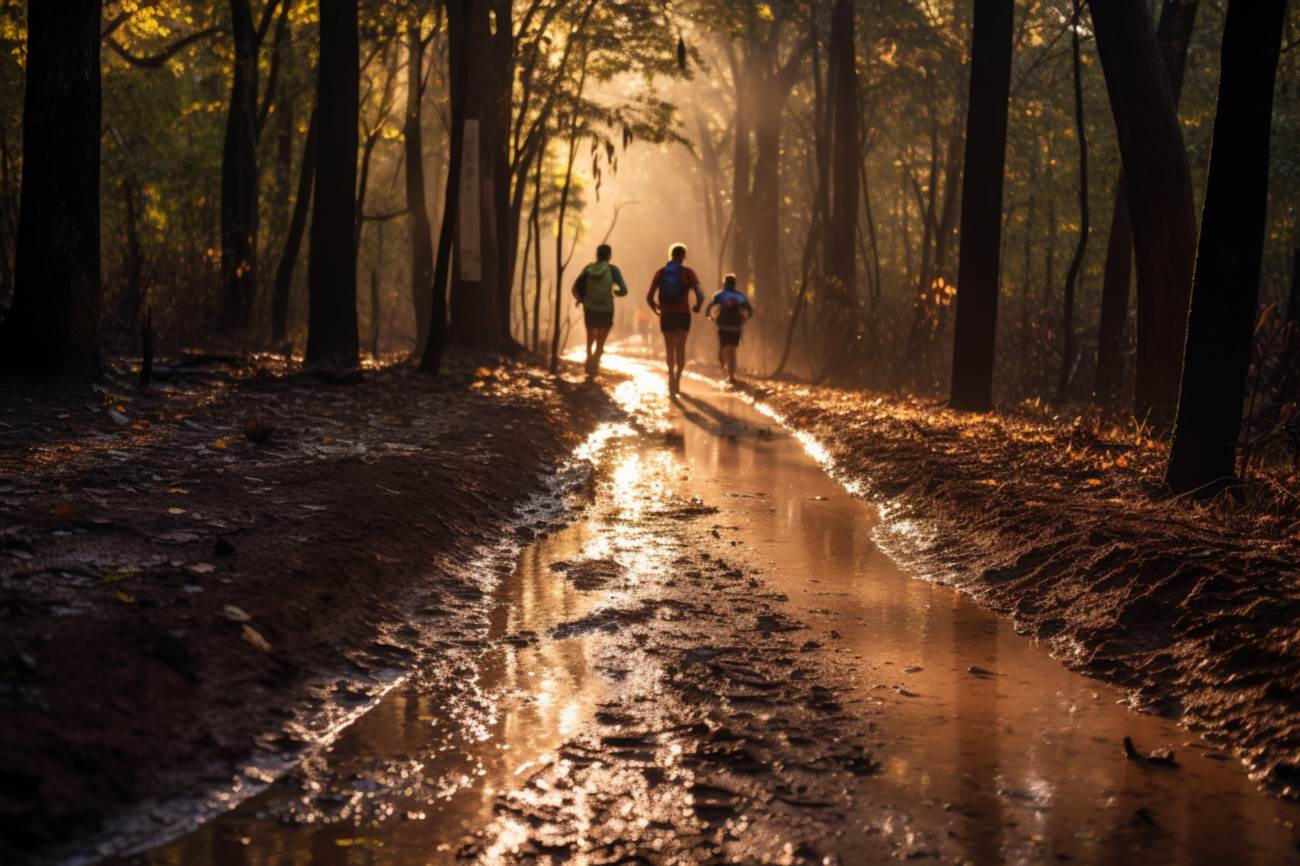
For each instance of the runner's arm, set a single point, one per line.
(621, 290)
(650, 295)
(708, 311)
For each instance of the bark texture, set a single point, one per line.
(54, 321)
(981, 208)
(1225, 288)
(332, 260)
(1158, 189)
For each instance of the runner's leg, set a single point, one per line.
(669, 354)
(601, 334)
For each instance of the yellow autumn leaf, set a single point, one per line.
(124, 597)
(220, 443)
(1093, 482)
(254, 637)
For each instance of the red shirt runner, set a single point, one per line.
(683, 304)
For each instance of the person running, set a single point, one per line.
(595, 289)
(734, 311)
(669, 299)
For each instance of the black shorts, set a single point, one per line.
(674, 322)
(728, 338)
(598, 318)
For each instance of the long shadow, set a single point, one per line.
(710, 418)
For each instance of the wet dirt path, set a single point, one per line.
(716, 662)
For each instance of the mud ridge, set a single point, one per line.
(202, 582)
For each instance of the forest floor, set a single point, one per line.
(232, 551)
(1190, 605)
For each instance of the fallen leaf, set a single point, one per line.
(118, 575)
(219, 444)
(202, 568)
(254, 637)
(124, 597)
(235, 614)
(175, 510)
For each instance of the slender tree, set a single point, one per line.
(1081, 248)
(842, 233)
(1225, 288)
(54, 321)
(457, 78)
(981, 206)
(417, 212)
(1174, 33)
(332, 259)
(1158, 191)
(239, 172)
(293, 237)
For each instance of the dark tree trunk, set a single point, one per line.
(282, 201)
(537, 248)
(842, 233)
(374, 295)
(981, 207)
(132, 280)
(504, 217)
(740, 160)
(54, 321)
(332, 260)
(474, 312)
(1174, 33)
(417, 211)
(1076, 262)
(457, 78)
(1116, 276)
(764, 205)
(293, 237)
(1159, 194)
(239, 175)
(1225, 288)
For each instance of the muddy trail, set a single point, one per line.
(715, 662)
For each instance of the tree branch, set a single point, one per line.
(155, 61)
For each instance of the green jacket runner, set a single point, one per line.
(602, 277)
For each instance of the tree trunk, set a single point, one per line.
(54, 321)
(374, 295)
(239, 175)
(981, 207)
(559, 250)
(504, 215)
(293, 238)
(457, 78)
(1225, 288)
(417, 212)
(741, 208)
(842, 233)
(474, 312)
(131, 284)
(1159, 194)
(1076, 263)
(537, 248)
(332, 339)
(1174, 33)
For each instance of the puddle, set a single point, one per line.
(984, 740)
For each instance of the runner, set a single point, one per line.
(734, 311)
(672, 282)
(595, 290)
